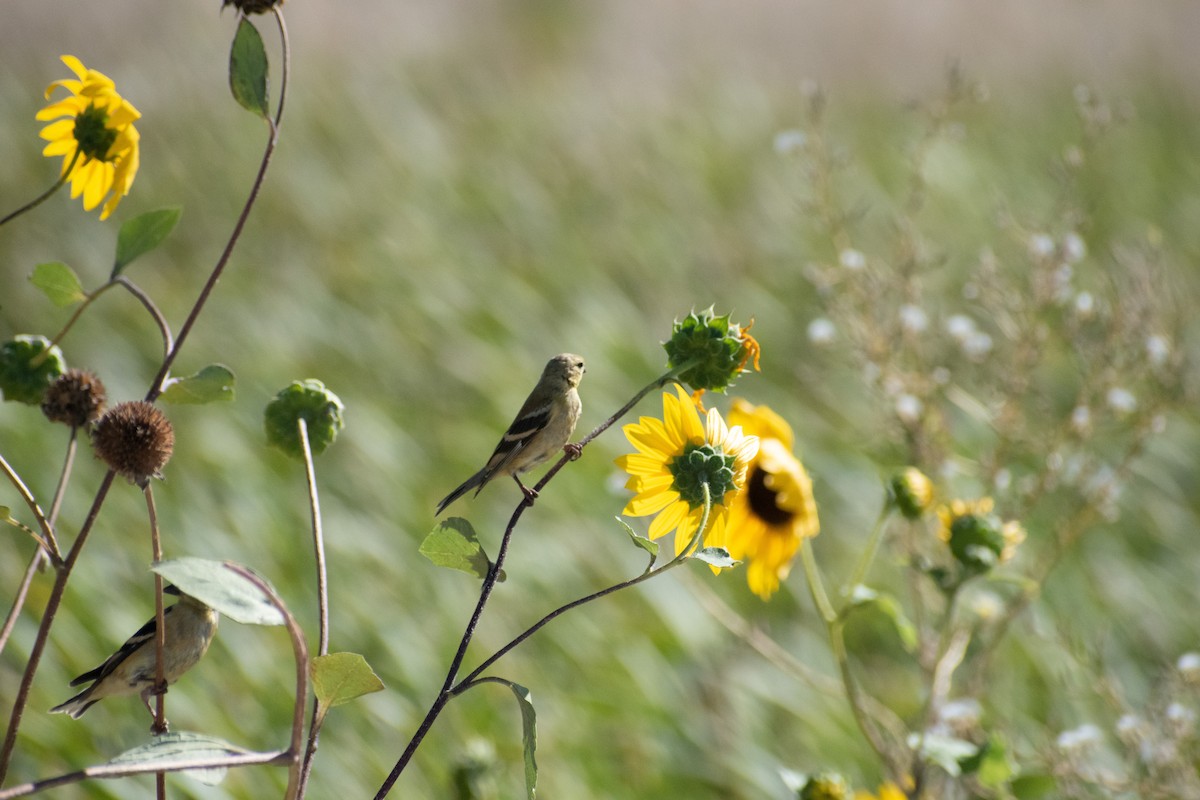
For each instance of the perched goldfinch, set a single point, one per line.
(190, 626)
(541, 428)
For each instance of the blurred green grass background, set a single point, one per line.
(462, 192)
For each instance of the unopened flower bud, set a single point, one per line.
(912, 492)
(717, 350)
(28, 365)
(309, 400)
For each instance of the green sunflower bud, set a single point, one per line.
(977, 541)
(28, 365)
(309, 400)
(825, 786)
(911, 492)
(718, 350)
(698, 465)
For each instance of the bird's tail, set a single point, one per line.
(76, 705)
(475, 480)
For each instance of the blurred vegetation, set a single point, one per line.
(434, 227)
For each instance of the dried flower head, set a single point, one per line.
(252, 6)
(135, 439)
(75, 399)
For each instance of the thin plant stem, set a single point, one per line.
(160, 623)
(314, 725)
(47, 539)
(63, 574)
(681, 557)
(150, 306)
(37, 201)
(868, 553)
(39, 555)
(88, 299)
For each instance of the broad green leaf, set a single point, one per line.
(993, 765)
(171, 748)
(341, 677)
(142, 234)
(248, 69)
(1035, 787)
(213, 384)
(890, 606)
(453, 544)
(528, 736)
(59, 283)
(216, 585)
(649, 545)
(716, 556)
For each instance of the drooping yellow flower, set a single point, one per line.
(93, 132)
(677, 456)
(777, 510)
(976, 536)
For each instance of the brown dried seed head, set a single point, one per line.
(76, 398)
(135, 439)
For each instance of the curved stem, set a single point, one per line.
(89, 298)
(145, 300)
(868, 554)
(816, 586)
(37, 201)
(315, 722)
(47, 540)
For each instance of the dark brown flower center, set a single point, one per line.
(764, 501)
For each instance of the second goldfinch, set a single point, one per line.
(189, 625)
(541, 428)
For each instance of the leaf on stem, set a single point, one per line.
(341, 677)
(216, 585)
(182, 746)
(649, 545)
(528, 736)
(59, 283)
(453, 544)
(142, 234)
(945, 751)
(248, 69)
(212, 384)
(716, 557)
(865, 596)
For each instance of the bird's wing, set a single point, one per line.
(144, 634)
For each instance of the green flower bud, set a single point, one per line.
(825, 786)
(698, 465)
(23, 376)
(310, 401)
(977, 541)
(911, 492)
(718, 349)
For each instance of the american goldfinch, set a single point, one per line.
(541, 428)
(190, 626)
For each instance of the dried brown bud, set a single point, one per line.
(135, 439)
(76, 398)
(252, 6)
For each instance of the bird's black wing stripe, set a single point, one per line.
(143, 635)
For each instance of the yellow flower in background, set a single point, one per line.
(887, 791)
(93, 132)
(677, 456)
(777, 510)
(976, 536)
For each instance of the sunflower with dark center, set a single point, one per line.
(777, 510)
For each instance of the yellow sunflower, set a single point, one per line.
(887, 791)
(93, 132)
(777, 510)
(677, 456)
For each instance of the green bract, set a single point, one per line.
(698, 465)
(825, 786)
(977, 541)
(717, 348)
(912, 492)
(309, 400)
(20, 379)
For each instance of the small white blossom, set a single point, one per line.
(790, 141)
(1074, 248)
(1085, 304)
(909, 408)
(1189, 666)
(821, 331)
(1182, 718)
(941, 376)
(1121, 400)
(1041, 245)
(1002, 480)
(987, 605)
(1085, 735)
(960, 326)
(977, 345)
(913, 318)
(852, 259)
(1081, 419)
(1129, 726)
(1157, 349)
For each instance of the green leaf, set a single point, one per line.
(341, 677)
(173, 748)
(213, 384)
(453, 544)
(1035, 787)
(248, 69)
(649, 545)
(993, 766)
(59, 283)
(891, 608)
(528, 736)
(715, 556)
(216, 585)
(142, 234)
